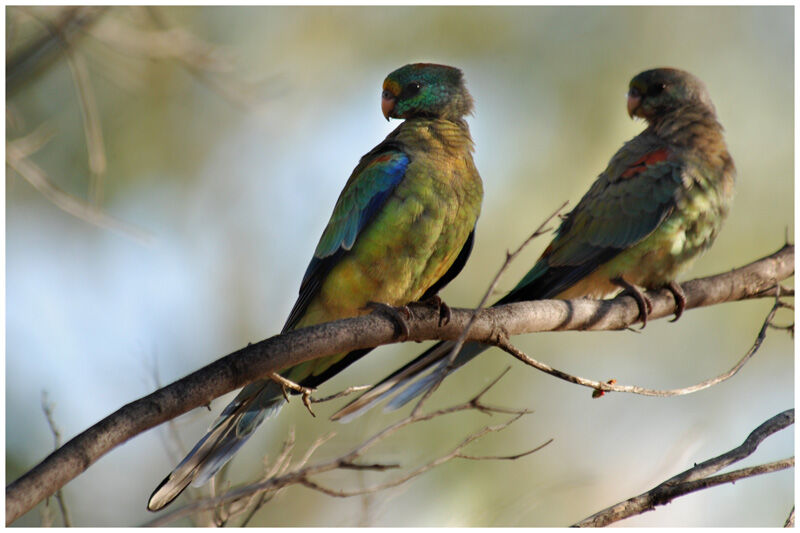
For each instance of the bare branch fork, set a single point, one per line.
(755, 280)
(700, 476)
(503, 343)
(239, 499)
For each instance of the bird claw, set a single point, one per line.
(396, 315)
(680, 298)
(445, 313)
(643, 302)
(291, 385)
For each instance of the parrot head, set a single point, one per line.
(425, 90)
(654, 93)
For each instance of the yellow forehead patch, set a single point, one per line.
(391, 86)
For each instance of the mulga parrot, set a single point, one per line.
(401, 229)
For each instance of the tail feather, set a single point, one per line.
(418, 387)
(391, 383)
(412, 380)
(227, 434)
(440, 370)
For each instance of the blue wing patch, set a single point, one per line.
(365, 193)
(363, 196)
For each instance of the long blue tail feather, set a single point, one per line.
(238, 421)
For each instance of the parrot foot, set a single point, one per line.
(398, 315)
(291, 385)
(642, 300)
(443, 309)
(680, 298)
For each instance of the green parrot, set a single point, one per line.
(401, 229)
(658, 205)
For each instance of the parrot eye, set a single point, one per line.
(413, 88)
(657, 89)
(634, 93)
(387, 95)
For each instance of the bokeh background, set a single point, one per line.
(209, 146)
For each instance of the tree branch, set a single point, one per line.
(302, 474)
(47, 408)
(503, 343)
(60, 36)
(790, 519)
(697, 478)
(510, 256)
(255, 361)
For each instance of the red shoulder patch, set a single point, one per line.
(641, 164)
(382, 158)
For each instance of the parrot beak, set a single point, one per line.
(387, 103)
(634, 101)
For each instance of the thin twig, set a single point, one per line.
(504, 457)
(92, 128)
(47, 408)
(340, 394)
(60, 37)
(348, 461)
(790, 519)
(538, 232)
(257, 360)
(510, 256)
(610, 385)
(455, 453)
(257, 501)
(34, 141)
(731, 477)
(699, 476)
(37, 177)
